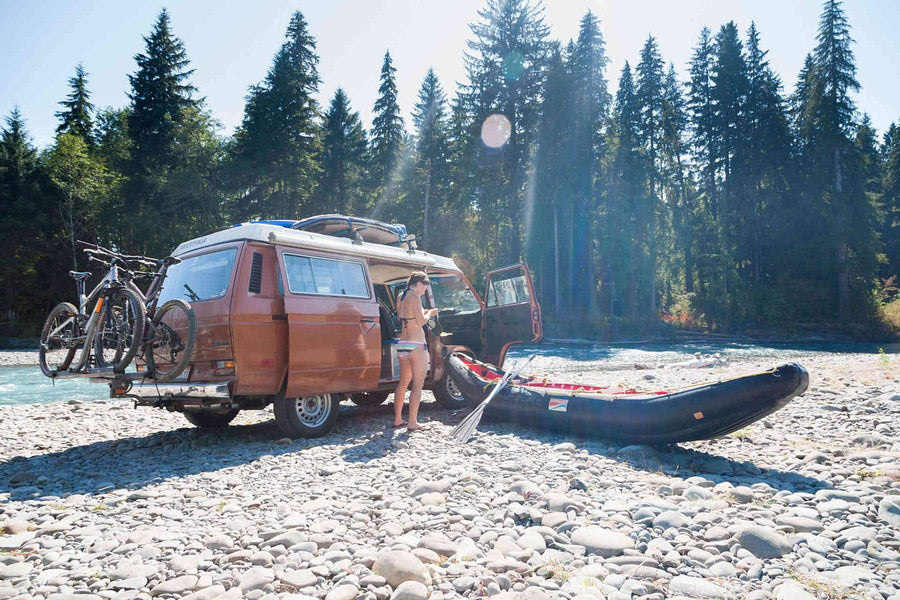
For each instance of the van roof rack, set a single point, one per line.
(354, 228)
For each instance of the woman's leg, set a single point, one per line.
(400, 392)
(417, 366)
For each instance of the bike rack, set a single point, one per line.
(101, 375)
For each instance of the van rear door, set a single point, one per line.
(333, 335)
(511, 314)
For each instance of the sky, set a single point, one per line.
(231, 45)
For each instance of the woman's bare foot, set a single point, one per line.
(416, 427)
(400, 424)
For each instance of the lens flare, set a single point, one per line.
(495, 131)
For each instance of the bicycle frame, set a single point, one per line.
(95, 298)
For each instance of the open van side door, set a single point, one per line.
(334, 339)
(511, 312)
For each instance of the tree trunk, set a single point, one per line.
(557, 296)
(427, 193)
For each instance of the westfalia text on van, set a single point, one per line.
(302, 320)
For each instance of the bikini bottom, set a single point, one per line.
(405, 348)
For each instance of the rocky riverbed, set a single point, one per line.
(99, 500)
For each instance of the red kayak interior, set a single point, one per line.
(491, 374)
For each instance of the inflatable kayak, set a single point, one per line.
(697, 412)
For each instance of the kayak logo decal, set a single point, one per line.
(558, 404)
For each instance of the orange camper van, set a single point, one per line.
(301, 315)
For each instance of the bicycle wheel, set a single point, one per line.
(121, 330)
(173, 334)
(58, 339)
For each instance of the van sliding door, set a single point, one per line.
(333, 335)
(511, 314)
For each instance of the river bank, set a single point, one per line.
(111, 502)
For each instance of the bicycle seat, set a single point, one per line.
(78, 275)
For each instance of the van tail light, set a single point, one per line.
(223, 367)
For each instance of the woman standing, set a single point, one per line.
(411, 348)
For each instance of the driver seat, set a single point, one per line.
(390, 323)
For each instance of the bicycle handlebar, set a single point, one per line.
(98, 249)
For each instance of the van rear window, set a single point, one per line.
(198, 278)
(312, 275)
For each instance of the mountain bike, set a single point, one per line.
(107, 325)
(170, 330)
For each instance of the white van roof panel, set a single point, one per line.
(260, 232)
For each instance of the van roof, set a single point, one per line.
(278, 234)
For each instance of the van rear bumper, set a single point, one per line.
(149, 389)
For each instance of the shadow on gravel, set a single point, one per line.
(364, 434)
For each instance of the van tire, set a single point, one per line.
(306, 416)
(211, 420)
(448, 395)
(369, 398)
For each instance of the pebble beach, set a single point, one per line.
(101, 500)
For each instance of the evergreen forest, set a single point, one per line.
(719, 203)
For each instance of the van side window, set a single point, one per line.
(255, 286)
(313, 275)
(280, 283)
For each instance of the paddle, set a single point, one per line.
(466, 427)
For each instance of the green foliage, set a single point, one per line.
(343, 159)
(275, 151)
(76, 116)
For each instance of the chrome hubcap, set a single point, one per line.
(313, 410)
(452, 389)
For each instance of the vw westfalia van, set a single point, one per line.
(301, 314)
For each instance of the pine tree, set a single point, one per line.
(590, 109)
(548, 251)
(277, 145)
(701, 112)
(506, 67)
(626, 197)
(767, 148)
(76, 116)
(432, 149)
(387, 127)
(649, 92)
(890, 231)
(159, 95)
(343, 158)
(679, 199)
(22, 228)
(831, 109)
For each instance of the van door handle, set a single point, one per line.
(367, 320)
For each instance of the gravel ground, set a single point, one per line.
(99, 500)
(17, 358)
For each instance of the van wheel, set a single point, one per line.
(211, 420)
(307, 416)
(369, 398)
(448, 395)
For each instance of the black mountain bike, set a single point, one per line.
(170, 330)
(108, 325)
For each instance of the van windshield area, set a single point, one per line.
(451, 295)
(198, 278)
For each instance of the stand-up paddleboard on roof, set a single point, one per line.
(369, 230)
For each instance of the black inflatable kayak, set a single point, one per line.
(699, 412)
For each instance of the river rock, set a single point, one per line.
(410, 590)
(399, 566)
(889, 511)
(177, 585)
(696, 587)
(764, 542)
(602, 541)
